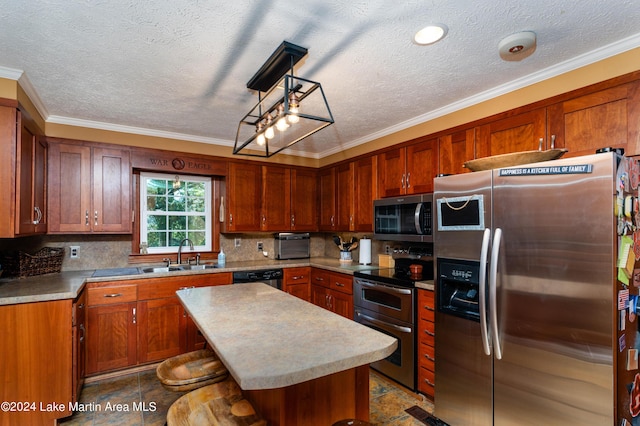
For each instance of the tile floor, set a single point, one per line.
(388, 402)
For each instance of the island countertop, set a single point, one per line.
(269, 339)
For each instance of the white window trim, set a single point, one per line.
(143, 210)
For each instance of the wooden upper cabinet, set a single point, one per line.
(276, 199)
(244, 191)
(327, 207)
(408, 170)
(365, 185)
(608, 118)
(304, 200)
(89, 189)
(344, 197)
(23, 175)
(521, 132)
(454, 150)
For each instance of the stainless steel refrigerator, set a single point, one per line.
(525, 284)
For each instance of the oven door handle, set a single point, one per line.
(383, 323)
(386, 288)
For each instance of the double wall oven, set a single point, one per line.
(385, 300)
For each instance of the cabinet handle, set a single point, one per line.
(540, 143)
(429, 383)
(81, 306)
(297, 277)
(429, 333)
(81, 327)
(319, 279)
(264, 219)
(429, 358)
(113, 295)
(429, 308)
(338, 284)
(134, 315)
(95, 218)
(553, 141)
(293, 220)
(230, 219)
(38, 215)
(86, 217)
(402, 181)
(408, 177)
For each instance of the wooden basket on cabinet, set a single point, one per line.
(47, 260)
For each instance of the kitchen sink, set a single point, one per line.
(158, 269)
(198, 267)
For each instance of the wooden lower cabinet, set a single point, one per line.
(79, 321)
(36, 368)
(141, 321)
(332, 291)
(426, 343)
(296, 281)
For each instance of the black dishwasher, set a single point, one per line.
(272, 277)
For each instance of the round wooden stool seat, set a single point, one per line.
(219, 404)
(191, 370)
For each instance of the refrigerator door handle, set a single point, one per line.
(484, 252)
(493, 305)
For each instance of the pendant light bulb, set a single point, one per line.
(281, 122)
(269, 132)
(260, 138)
(293, 117)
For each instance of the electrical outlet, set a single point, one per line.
(260, 246)
(236, 242)
(387, 250)
(74, 252)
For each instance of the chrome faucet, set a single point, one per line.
(186, 240)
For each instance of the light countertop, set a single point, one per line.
(269, 339)
(67, 285)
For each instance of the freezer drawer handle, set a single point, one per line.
(493, 306)
(484, 251)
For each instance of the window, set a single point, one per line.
(173, 208)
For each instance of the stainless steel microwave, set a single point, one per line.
(407, 218)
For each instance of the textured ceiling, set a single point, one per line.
(179, 68)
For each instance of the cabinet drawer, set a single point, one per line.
(296, 275)
(426, 382)
(320, 277)
(111, 295)
(341, 282)
(426, 305)
(426, 332)
(427, 357)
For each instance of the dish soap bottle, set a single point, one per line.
(221, 259)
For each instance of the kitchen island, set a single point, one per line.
(297, 363)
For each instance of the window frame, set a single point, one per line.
(208, 213)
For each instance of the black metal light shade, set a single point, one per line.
(289, 108)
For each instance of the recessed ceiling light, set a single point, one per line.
(430, 34)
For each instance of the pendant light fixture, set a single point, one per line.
(289, 108)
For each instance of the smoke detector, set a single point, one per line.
(518, 46)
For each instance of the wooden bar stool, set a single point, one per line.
(191, 371)
(219, 404)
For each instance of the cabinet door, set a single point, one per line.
(79, 344)
(365, 191)
(304, 200)
(111, 337)
(69, 188)
(30, 183)
(344, 197)
(276, 199)
(454, 150)
(243, 193)
(518, 133)
(319, 296)
(341, 304)
(391, 173)
(195, 338)
(162, 329)
(296, 282)
(111, 191)
(327, 188)
(422, 166)
(607, 118)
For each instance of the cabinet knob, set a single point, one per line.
(95, 218)
(86, 217)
